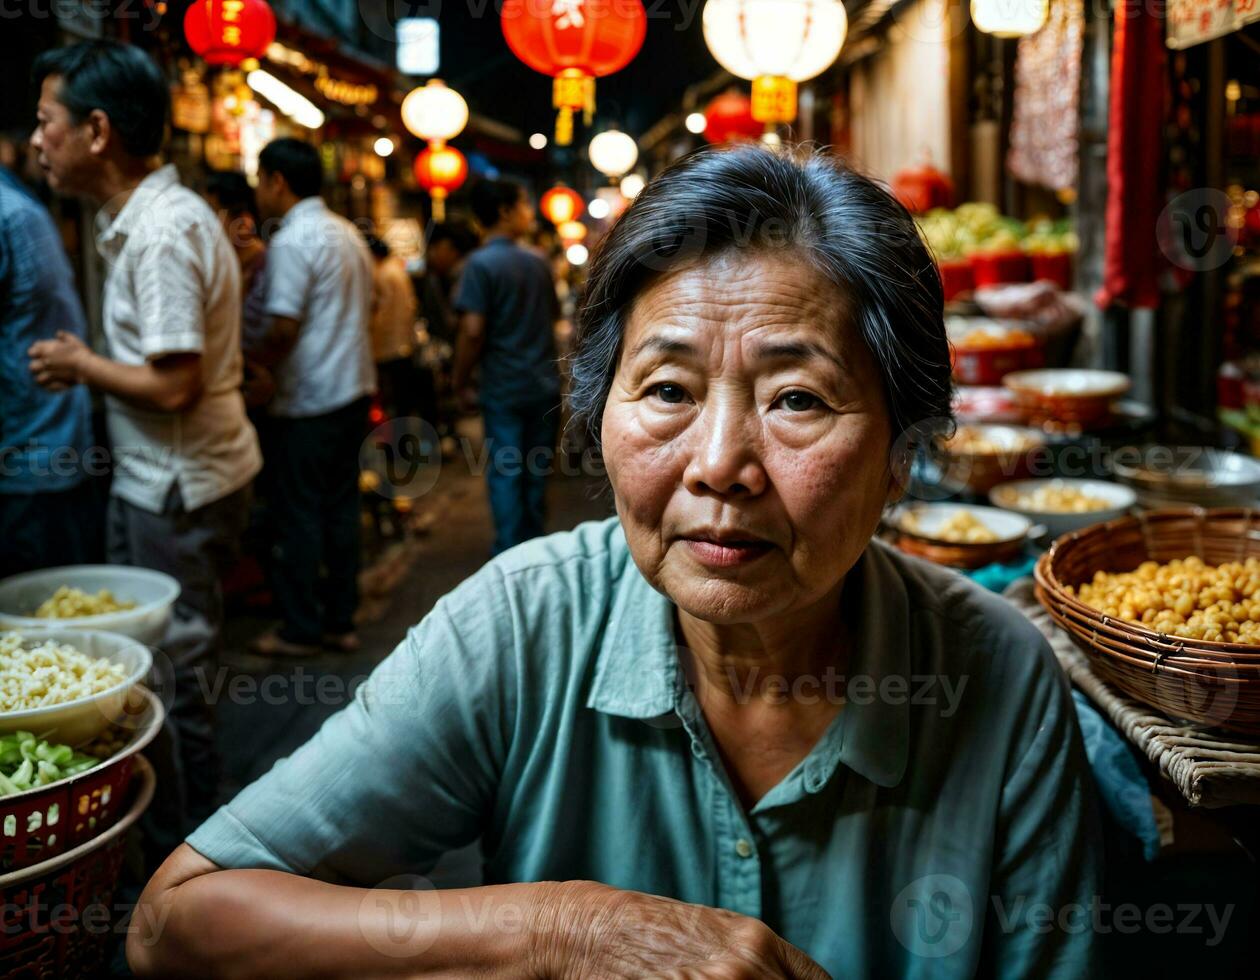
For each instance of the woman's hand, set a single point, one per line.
(588, 930)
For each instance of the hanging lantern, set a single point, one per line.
(440, 170)
(729, 117)
(1009, 18)
(226, 32)
(575, 42)
(613, 153)
(775, 43)
(561, 204)
(434, 112)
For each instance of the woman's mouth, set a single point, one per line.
(726, 553)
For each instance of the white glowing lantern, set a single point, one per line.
(1009, 18)
(613, 153)
(384, 146)
(599, 209)
(794, 39)
(775, 43)
(696, 123)
(577, 254)
(434, 112)
(631, 185)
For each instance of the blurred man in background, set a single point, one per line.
(184, 452)
(319, 302)
(393, 331)
(232, 199)
(47, 506)
(507, 302)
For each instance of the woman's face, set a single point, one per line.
(746, 437)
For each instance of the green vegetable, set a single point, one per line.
(27, 762)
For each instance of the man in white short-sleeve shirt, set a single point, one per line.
(319, 300)
(184, 452)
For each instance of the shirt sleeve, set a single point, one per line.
(170, 292)
(289, 279)
(473, 293)
(406, 772)
(1047, 862)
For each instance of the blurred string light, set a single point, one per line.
(613, 153)
(538, 141)
(695, 123)
(383, 146)
(599, 209)
(631, 185)
(293, 104)
(577, 254)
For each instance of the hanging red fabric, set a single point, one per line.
(1132, 261)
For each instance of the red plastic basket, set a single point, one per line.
(42, 823)
(57, 918)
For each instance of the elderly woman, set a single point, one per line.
(723, 734)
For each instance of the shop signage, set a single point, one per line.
(418, 49)
(1195, 21)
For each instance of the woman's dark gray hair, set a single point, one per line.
(847, 226)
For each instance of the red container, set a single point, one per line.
(956, 277)
(1055, 268)
(995, 268)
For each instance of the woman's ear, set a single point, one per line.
(900, 459)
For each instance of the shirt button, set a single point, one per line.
(743, 848)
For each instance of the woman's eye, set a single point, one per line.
(799, 401)
(669, 393)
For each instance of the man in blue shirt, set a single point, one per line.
(46, 504)
(508, 309)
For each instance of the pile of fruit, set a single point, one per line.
(980, 229)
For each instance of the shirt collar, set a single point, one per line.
(111, 233)
(308, 205)
(637, 674)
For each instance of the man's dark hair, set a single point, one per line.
(233, 193)
(801, 203)
(118, 79)
(490, 197)
(297, 161)
(376, 245)
(458, 233)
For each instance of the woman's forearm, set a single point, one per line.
(271, 924)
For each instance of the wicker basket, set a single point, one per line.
(58, 916)
(1211, 683)
(42, 823)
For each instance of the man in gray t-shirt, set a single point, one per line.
(508, 309)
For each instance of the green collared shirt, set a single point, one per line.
(541, 708)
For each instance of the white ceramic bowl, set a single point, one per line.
(78, 721)
(928, 517)
(153, 592)
(1119, 499)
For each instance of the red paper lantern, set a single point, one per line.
(729, 117)
(575, 42)
(226, 32)
(561, 204)
(440, 170)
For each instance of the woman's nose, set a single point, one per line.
(726, 453)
